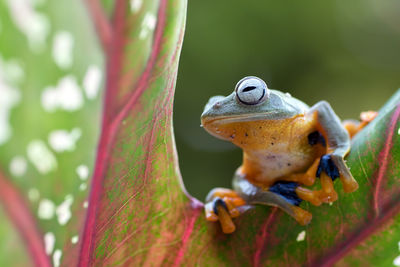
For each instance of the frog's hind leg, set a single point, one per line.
(354, 126)
(281, 194)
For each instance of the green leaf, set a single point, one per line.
(51, 124)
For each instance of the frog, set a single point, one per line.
(287, 145)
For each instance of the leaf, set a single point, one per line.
(142, 45)
(139, 213)
(136, 181)
(52, 125)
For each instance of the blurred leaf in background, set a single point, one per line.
(340, 51)
(51, 75)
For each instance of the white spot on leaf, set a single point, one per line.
(67, 96)
(83, 172)
(18, 166)
(62, 140)
(63, 211)
(92, 81)
(63, 44)
(9, 97)
(46, 209)
(49, 241)
(75, 239)
(136, 5)
(11, 71)
(33, 194)
(83, 186)
(301, 236)
(57, 257)
(85, 204)
(398, 131)
(396, 261)
(41, 157)
(34, 25)
(148, 25)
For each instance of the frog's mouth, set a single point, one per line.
(241, 117)
(225, 119)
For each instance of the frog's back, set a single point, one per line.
(290, 101)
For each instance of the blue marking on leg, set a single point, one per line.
(219, 202)
(287, 190)
(327, 165)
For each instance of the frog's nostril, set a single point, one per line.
(217, 105)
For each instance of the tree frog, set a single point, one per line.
(286, 145)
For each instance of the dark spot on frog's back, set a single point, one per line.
(316, 138)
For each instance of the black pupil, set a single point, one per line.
(249, 88)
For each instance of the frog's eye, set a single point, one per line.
(251, 90)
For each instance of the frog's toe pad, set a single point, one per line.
(328, 197)
(303, 217)
(368, 116)
(349, 185)
(327, 165)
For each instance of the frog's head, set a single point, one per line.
(251, 101)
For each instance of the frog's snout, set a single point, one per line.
(213, 103)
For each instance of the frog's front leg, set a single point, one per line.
(338, 145)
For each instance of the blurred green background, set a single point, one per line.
(345, 52)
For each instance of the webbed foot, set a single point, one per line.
(331, 167)
(221, 204)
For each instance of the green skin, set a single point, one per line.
(276, 106)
